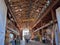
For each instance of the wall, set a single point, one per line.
(57, 33)
(3, 13)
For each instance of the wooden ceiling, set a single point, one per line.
(47, 17)
(26, 12)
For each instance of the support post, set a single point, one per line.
(53, 28)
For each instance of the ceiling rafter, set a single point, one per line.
(8, 6)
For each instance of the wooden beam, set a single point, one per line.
(46, 12)
(46, 25)
(14, 31)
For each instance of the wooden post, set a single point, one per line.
(42, 29)
(53, 28)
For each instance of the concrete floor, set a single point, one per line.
(36, 43)
(33, 43)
